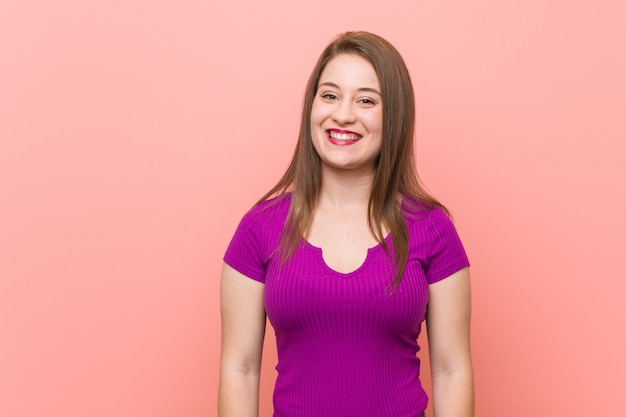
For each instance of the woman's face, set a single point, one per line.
(347, 115)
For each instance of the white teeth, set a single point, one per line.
(343, 136)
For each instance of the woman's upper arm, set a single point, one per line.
(448, 322)
(243, 320)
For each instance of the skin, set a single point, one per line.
(448, 324)
(243, 329)
(347, 101)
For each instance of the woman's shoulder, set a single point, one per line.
(257, 237)
(433, 237)
(427, 221)
(416, 211)
(270, 212)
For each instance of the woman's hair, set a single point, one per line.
(395, 174)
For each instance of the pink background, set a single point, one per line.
(134, 135)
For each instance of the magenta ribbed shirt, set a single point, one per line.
(346, 345)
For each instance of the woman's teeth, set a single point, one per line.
(343, 136)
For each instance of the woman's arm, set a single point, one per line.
(448, 323)
(243, 330)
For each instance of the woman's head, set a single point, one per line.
(397, 101)
(347, 116)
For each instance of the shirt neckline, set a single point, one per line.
(370, 253)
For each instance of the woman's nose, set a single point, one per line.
(344, 114)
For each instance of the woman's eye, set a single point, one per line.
(368, 101)
(329, 96)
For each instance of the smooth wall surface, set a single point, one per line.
(134, 135)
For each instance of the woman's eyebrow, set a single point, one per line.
(367, 89)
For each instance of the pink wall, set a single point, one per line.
(135, 135)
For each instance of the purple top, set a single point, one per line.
(346, 345)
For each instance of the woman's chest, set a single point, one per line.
(306, 294)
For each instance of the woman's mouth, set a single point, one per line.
(342, 137)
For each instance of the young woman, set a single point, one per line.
(347, 255)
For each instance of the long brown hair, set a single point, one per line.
(395, 176)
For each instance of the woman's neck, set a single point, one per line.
(345, 189)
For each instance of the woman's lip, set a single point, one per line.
(348, 132)
(342, 142)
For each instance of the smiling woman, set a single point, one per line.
(347, 256)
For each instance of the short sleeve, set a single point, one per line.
(245, 251)
(257, 237)
(446, 254)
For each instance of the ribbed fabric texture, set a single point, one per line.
(346, 344)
